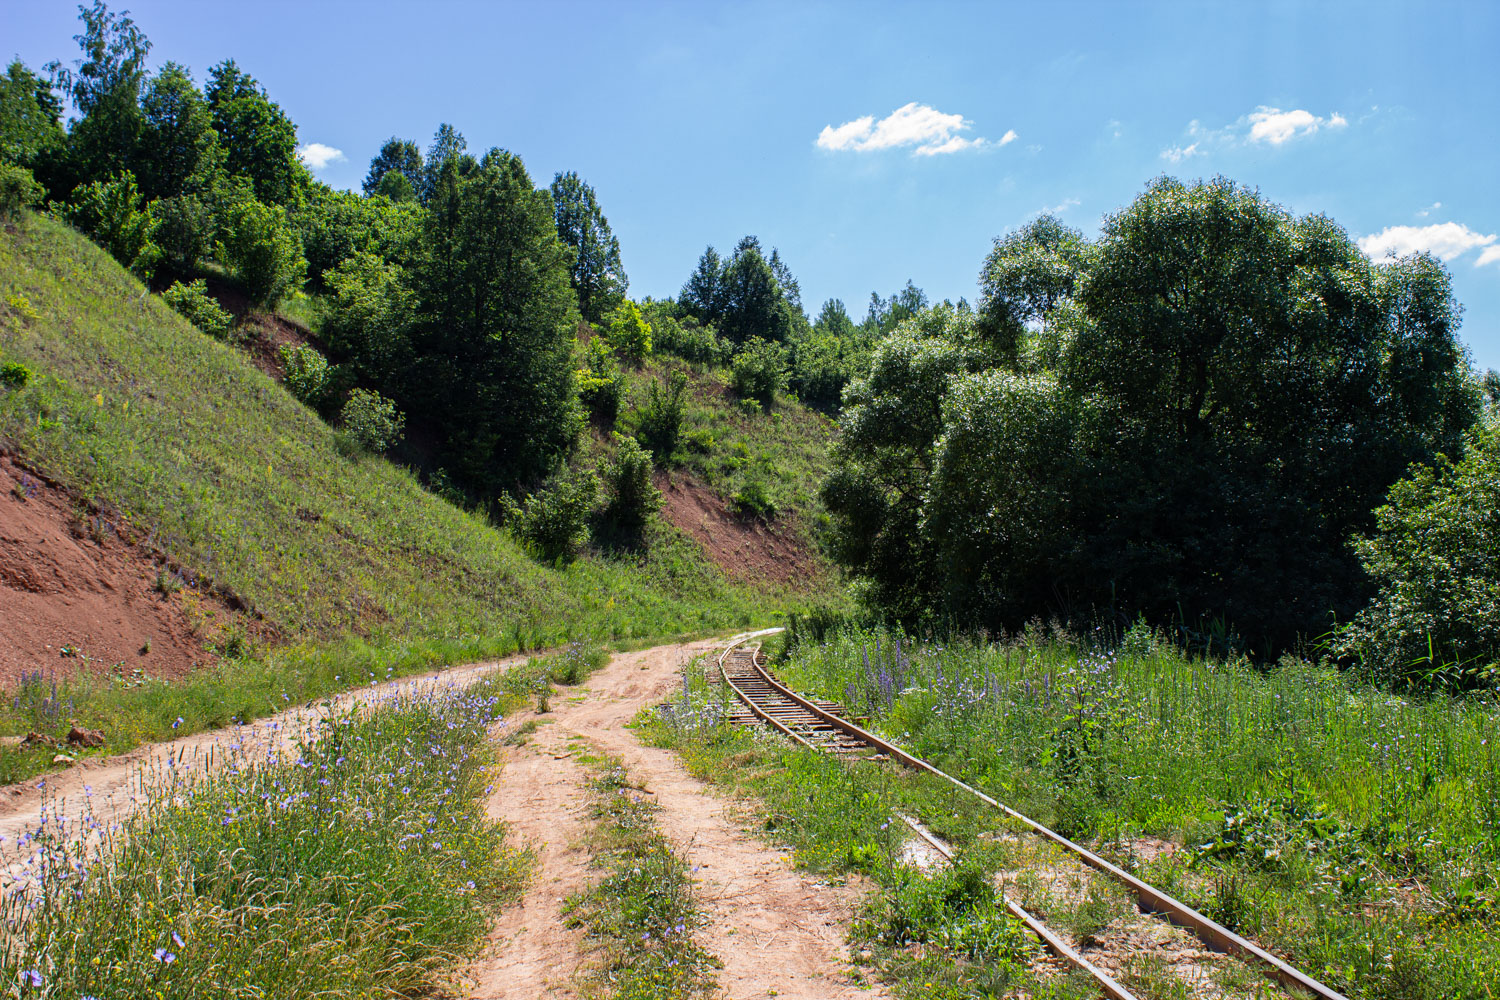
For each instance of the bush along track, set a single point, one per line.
(643, 914)
(360, 864)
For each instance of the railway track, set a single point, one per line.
(824, 726)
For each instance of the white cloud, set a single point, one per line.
(1063, 206)
(317, 156)
(1425, 212)
(1009, 137)
(1276, 126)
(926, 130)
(1176, 154)
(1488, 256)
(1445, 240)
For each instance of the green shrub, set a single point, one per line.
(14, 375)
(629, 333)
(686, 337)
(554, 521)
(18, 190)
(371, 421)
(600, 387)
(112, 215)
(759, 370)
(193, 303)
(306, 373)
(183, 230)
(259, 246)
(754, 500)
(633, 499)
(1435, 557)
(660, 424)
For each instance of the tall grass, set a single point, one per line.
(361, 863)
(1356, 831)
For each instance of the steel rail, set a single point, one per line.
(1150, 899)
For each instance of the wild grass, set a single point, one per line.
(179, 436)
(642, 915)
(357, 863)
(352, 567)
(1355, 832)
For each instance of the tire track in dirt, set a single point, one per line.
(778, 931)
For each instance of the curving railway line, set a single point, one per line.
(822, 726)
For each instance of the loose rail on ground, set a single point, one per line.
(822, 727)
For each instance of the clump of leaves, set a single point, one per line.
(14, 375)
(193, 303)
(306, 373)
(371, 422)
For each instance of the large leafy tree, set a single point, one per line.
(752, 301)
(259, 140)
(178, 129)
(598, 277)
(400, 155)
(1235, 391)
(494, 335)
(105, 86)
(29, 117)
(702, 297)
(1026, 277)
(448, 144)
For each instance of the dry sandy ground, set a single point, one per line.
(777, 931)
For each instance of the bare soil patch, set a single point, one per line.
(77, 592)
(746, 549)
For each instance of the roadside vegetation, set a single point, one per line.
(642, 915)
(358, 862)
(1348, 829)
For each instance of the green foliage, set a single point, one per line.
(306, 373)
(1028, 274)
(192, 302)
(371, 421)
(259, 140)
(260, 247)
(1435, 558)
(326, 872)
(744, 296)
(14, 375)
(600, 386)
(597, 276)
(29, 127)
(954, 909)
(111, 213)
(399, 156)
(333, 226)
(759, 370)
(183, 230)
(555, 519)
(370, 316)
(753, 499)
(685, 337)
(395, 186)
(633, 499)
(629, 333)
(1202, 448)
(105, 86)
(659, 422)
(18, 191)
(493, 341)
(182, 151)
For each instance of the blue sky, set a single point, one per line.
(698, 123)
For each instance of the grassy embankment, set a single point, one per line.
(356, 570)
(1355, 832)
(360, 864)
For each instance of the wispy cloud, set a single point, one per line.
(925, 130)
(1263, 126)
(1444, 240)
(1425, 212)
(317, 156)
(1063, 206)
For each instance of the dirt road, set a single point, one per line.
(778, 932)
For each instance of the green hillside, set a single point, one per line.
(143, 415)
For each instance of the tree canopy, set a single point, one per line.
(596, 273)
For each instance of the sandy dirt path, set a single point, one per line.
(778, 932)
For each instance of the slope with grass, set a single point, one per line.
(344, 565)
